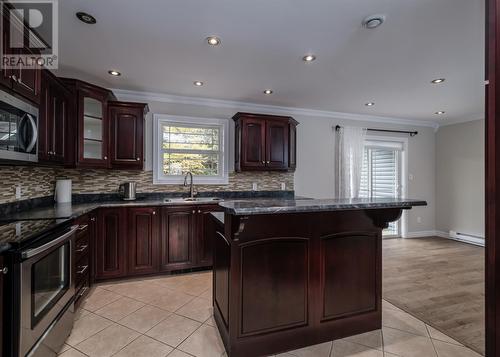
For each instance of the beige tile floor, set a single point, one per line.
(172, 316)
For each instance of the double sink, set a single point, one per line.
(193, 199)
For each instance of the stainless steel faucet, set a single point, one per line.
(191, 186)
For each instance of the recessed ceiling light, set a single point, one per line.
(87, 18)
(370, 104)
(309, 58)
(373, 21)
(213, 41)
(438, 80)
(441, 112)
(268, 91)
(198, 83)
(114, 73)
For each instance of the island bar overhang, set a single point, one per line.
(289, 274)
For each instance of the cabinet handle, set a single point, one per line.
(83, 227)
(199, 211)
(93, 219)
(154, 212)
(82, 292)
(263, 162)
(13, 77)
(138, 159)
(4, 270)
(268, 162)
(82, 248)
(105, 157)
(83, 269)
(194, 211)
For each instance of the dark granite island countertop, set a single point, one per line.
(277, 206)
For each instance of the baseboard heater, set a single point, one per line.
(468, 238)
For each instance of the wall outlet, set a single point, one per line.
(411, 177)
(419, 219)
(283, 186)
(254, 186)
(18, 192)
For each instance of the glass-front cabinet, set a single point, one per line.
(93, 128)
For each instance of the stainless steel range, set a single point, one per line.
(43, 287)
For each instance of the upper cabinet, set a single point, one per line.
(22, 81)
(127, 139)
(53, 120)
(265, 142)
(92, 123)
(108, 133)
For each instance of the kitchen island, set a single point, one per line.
(294, 273)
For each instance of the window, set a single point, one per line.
(382, 174)
(185, 144)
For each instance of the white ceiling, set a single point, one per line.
(159, 46)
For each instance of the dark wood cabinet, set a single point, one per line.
(205, 237)
(21, 80)
(83, 256)
(177, 238)
(147, 240)
(143, 240)
(110, 245)
(90, 130)
(265, 142)
(127, 134)
(53, 120)
(2, 289)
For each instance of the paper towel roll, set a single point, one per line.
(63, 191)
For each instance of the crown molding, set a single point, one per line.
(463, 120)
(130, 95)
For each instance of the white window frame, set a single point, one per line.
(160, 178)
(404, 171)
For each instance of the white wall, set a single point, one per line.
(315, 176)
(460, 178)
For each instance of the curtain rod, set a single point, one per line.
(411, 133)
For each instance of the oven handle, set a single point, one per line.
(34, 138)
(35, 251)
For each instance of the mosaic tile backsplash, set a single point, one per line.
(39, 181)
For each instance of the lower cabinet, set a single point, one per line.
(110, 245)
(2, 272)
(177, 238)
(143, 243)
(83, 256)
(148, 240)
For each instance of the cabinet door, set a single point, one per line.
(177, 248)
(111, 244)
(27, 82)
(45, 120)
(143, 240)
(2, 289)
(93, 129)
(292, 157)
(277, 144)
(253, 143)
(60, 115)
(5, 73)
(205, 235)
(127, 134)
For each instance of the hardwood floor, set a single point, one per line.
(439, 281)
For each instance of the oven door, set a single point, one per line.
(18, 129)
(47, 287)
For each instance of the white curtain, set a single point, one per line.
(350, 151)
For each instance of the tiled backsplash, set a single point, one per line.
(38, 181)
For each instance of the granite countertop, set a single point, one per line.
(276, 206)
(74, 210)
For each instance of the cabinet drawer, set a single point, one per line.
(82, 289)
(83, 229)
(82, 269)
(82, 247)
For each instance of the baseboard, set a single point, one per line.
(420, 234)
(441, 234)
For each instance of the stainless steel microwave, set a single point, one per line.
(18, 129)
